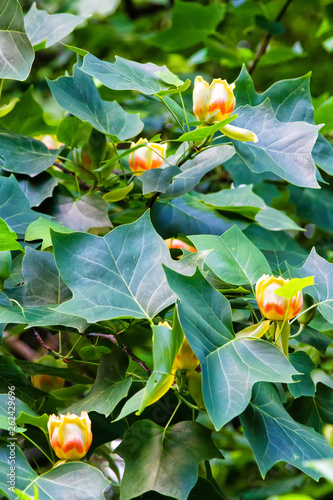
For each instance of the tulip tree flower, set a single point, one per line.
(70, 435)
(273, 306)
(46, 382)
(216, 99)
(147, 157)
(175, 243)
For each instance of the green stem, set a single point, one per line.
(1, 87)
(173, 114)
(173, 414)
(185, 114)
(60, 345)
(184, 400)
(298, 333)
(75, 344)
(306, 310)
(40, 449)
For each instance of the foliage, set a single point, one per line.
(192, 393)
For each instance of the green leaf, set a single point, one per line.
(192, 23)
(314, 411)
(234, 259)
(157, 179)
(294, 286)
(73, 132)
(291, 101)
(79, 96)
(124, 277)
(124, 74)
(324, 467)
(164, 460)
(27, 118)
(230, 366)
(42, 27)
(42, 283)
(322, 290)
(7, 108)
(118, 194)
(31, 369)
(180, 88)
(193, 170)
(188, 215)
(14, 206)
(283, 148)
(83, 213)
(38, 188)
(17, 54)
(317, 209)
(201, 133)
(275, 220)
(40, 316)
(8, 238)
(166, 344)
(110, 387)
(64, 481)
(274, 436)
(35, 420)
(314, 338)
(9, 412)
(240, 200)
(12, 375)
(40, 230)
(304, 384)
(24, 155)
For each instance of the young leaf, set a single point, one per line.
(294, 286)
(8, 238)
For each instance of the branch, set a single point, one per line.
(125, 348)
(267, 38)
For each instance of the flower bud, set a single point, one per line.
(45, 382)
(272, 306)
(238, 133)
(216, 99)
(147, 157)
(305, 318)
(175, 243)
(185, 359)
(70, 435)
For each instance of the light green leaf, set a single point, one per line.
(234, 259)
(294, 286)
(7, 108)
(79, 95)
(17, 54)
(164, 460)
(274, 436)
(201, 133)
(118, 194)
(8, 238)
(42, 27)
(40, 230)
(275, 220)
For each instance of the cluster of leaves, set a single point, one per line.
(92, 280)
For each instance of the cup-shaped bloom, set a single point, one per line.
(46, 382)
(272, 306)
(216, 99)
(147, 157)
(70, 435)
(175, 243)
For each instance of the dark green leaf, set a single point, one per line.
(304, 385)
(124, 277)
(162, 460)
(24, 155)
(110, 387)
(38, 188)
(274, 436)
(157, 179)
(125, 75)
(230, 366)
(192, 23)
(42, 283)
(79, 95)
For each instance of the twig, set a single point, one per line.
(124, 347)
(41, 341)
(267, 38)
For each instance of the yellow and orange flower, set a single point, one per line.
(70, 435)
(175, 243)
(150, 156)
(216, 99)
(272, 306)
